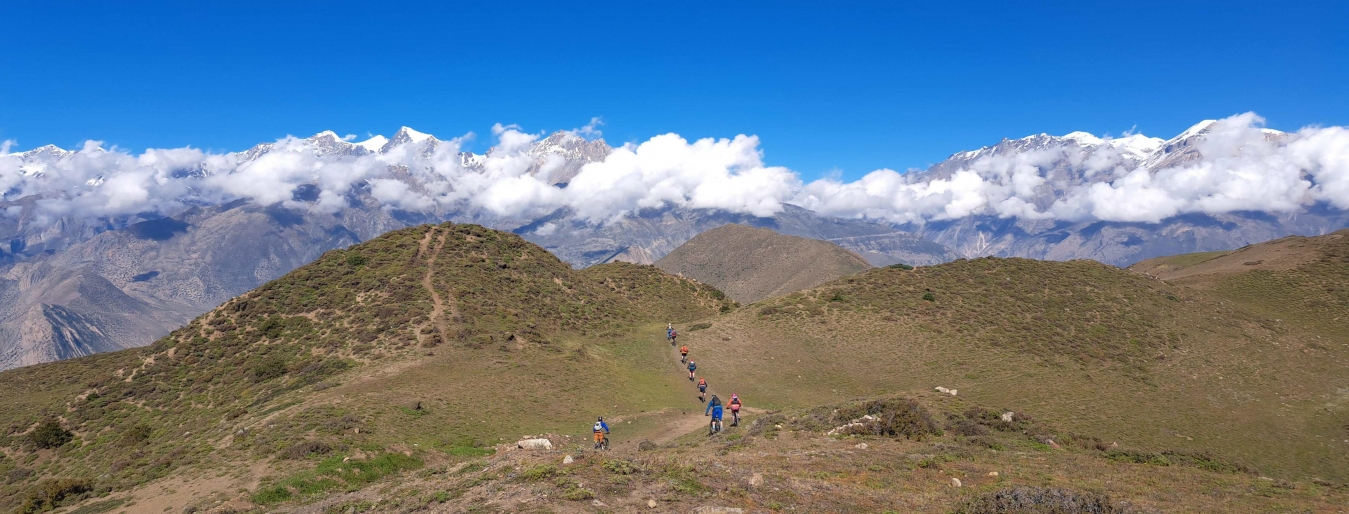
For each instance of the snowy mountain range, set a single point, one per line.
(103, 249)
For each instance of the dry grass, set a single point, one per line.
(751, 264)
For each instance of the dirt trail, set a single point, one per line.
(694, 421)
(438, 305)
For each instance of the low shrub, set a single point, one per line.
(50, 434)
(894, 417)
(900, 265)
(305, 449)
(1136, 457)
(540, 472)
(1039, 500)
(50, 494)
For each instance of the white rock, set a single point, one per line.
(861, 446)
(718, 510)
(567, 459)
(756, 480)
(1007, 416)
(534, 444)
(992, 473)
(955, 482)
(651, 503)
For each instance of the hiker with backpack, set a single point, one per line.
(692, 366)
(702, 389)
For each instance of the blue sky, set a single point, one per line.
(851, 88)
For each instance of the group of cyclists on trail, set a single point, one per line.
(715, 409)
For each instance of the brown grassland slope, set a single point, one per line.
(395, 375)
(427, 337)
(1102, 351)
(751, 264)
(1301, 281)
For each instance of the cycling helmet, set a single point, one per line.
(601, 418)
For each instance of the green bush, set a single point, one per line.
(50, 434)
(50, 494)
(929, 297)
(900, 265)
(355, 259)
(269, 368)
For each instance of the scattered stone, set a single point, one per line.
(756, 480)
(1114, 445)
(718, 510)
(941, 389)
(534, 444)
(955, 482)
(1053, 444)
(651, 504)
(597, 503)
(861, 446)
(567, 460)
(992, 473)
(1007, 416)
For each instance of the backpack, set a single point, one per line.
(599, 426)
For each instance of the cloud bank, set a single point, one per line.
(1228, 165)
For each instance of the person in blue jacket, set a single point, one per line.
(601, 429)
(692, 367)
(714, 407)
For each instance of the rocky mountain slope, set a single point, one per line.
(1079, 160)
(76, 286)
(750, 264)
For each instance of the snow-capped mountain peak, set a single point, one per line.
(1084, 138)
(412, 135)
(1198, 128)
(374, 144)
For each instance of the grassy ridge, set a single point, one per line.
(352, 354)
(1104, 351)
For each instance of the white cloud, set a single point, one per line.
(1243, 167)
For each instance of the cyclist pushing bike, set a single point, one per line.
(714, 407)
(601, 430)
(734, 404)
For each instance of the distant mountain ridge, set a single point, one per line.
(74, 284)
(750, 264)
